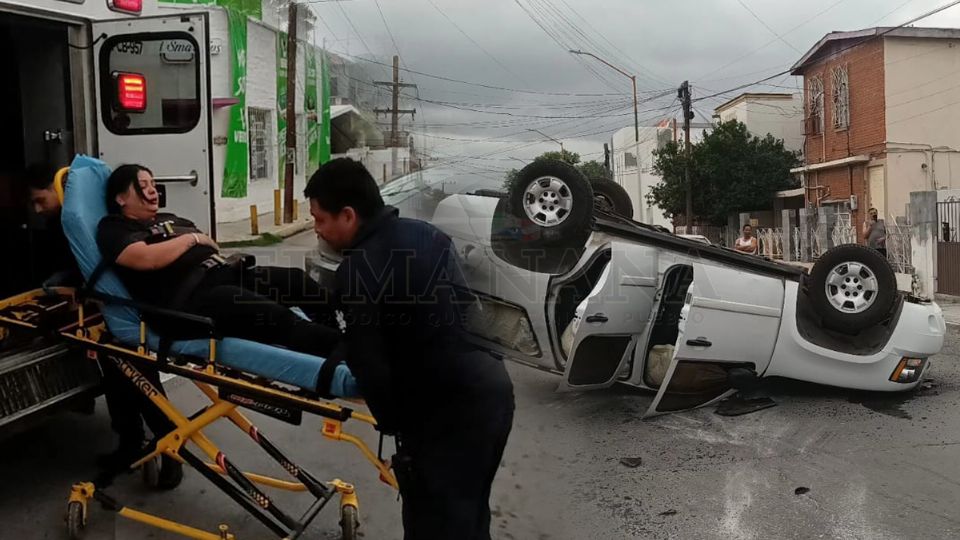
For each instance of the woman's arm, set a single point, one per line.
(145, 257)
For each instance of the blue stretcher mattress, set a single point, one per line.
(84, 206)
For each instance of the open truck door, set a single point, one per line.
(154, 106)
(730, 319)
(615, 315)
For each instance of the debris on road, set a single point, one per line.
(670, 512)
(801, 491)
(632, 462)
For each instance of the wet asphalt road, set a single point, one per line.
(823, 463)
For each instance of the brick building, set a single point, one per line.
(881, 117)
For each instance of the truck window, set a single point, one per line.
(170, 67)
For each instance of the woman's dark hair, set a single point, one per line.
(745, 225)
(344, 182)
(120, 181)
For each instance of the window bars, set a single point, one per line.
(841, 98)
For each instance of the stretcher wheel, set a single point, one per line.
(150, 473)
(76, 521)
(349, 522)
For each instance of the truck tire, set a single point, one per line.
(610, 196)
(556, 198)
(852, 287)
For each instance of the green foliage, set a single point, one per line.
(590, 169)
(730, 170)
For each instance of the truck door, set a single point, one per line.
(153, 99)
(615, 315)
(731, 319)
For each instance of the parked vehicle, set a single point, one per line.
(600, 299)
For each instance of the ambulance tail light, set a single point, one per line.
(126, 6)
(131, 92)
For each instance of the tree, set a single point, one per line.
(730, 170)
(590, 169)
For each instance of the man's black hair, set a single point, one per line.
(39, 176)
(120, 181)
(344, 182)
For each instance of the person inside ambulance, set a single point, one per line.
(58, 262)
(166, 261)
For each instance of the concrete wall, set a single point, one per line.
(922, 115)
(638, 183)
(781, 117)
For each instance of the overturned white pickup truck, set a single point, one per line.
(572, 288)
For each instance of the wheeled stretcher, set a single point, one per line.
(108, 326)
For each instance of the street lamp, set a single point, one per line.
(633, 79)
(549, 137)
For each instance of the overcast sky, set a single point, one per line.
(523, 45)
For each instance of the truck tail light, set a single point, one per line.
(126, 6)
(131, 92)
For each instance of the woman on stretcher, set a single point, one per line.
(164, 260)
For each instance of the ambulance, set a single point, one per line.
(120, 80)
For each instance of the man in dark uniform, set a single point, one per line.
(449, 405)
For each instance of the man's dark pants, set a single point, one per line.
(446, 467)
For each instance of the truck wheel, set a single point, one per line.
(556, 198)
(349, 522)
(852, 287)
(610, 196)
(76, 523)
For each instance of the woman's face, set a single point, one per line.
(133, 206)
(747, 231)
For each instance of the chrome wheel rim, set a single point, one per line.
(547, 201)
(851, 287)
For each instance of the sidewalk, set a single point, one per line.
(951, 308)
(238, 232)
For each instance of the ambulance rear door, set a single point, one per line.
(154, 107)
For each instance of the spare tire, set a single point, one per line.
(556, 198)
(610, 196)
(852, 287)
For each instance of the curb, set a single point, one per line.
(285, 231)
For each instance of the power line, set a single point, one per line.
(834, 54)
(767, 26)
(477, 45)
(556, 39)
(634, 65)
(488, 86)
(767, 44)
(356, 32)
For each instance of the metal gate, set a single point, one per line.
(948, 248)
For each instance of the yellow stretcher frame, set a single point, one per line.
(21, 312)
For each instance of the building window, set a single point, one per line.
(260, 155)
(629, 160)
(814, 106)
(841, 98)
(334, 86)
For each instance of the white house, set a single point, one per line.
(632, 162)
(777, 114)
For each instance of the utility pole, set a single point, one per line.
(395, 111)
(684, 94)
(291, 144)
